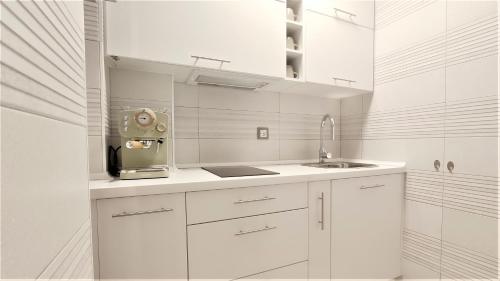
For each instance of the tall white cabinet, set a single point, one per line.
(243, 36)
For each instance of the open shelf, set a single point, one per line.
(295, 30)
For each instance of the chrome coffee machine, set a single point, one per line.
(144, 142)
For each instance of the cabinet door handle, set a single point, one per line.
(437, 165)
(371, 186)
(265, 198)
(450, 166)
(197, 58)
(265, 228)
(343, 79)
(344, 12)
(322, 218)
(128, 214)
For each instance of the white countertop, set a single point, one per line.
(197, 179)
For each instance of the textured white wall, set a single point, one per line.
(44, 200)
(436, 98)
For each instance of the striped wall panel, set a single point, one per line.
(40, 80)
(422, 249)
(94, 112)
(460, 263)
(473, 117)
(424, 186)
(43, 85)
(93, 25)
(471, 193)
(74, 261)
(471, 41)
(391, 11)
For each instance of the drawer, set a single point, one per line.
(293, 271)
(205, 206)
(242, 247)
(142, 237)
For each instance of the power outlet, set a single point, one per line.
(262, 133)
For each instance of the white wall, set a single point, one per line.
(436, 98)
(219, 125)
(44, 196)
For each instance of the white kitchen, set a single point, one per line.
(249, 139)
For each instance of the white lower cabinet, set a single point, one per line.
(340, 229)
(142, 237)
(366, 227)
(241, 247)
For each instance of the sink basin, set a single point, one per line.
(340, 165)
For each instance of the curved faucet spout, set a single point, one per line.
(323, 154)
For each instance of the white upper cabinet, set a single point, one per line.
(243, 36)
(359, 12)
(339, 52)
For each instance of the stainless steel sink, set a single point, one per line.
(340, 165)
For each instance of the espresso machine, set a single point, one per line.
(144, 142)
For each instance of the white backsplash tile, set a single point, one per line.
(186, 122)
(306, 149)
(302, 104)
(186, 151)
(236, 99)
(185, 95)
(238, 150)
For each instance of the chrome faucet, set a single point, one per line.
(323, 154)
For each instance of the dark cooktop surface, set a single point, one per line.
(238, 171)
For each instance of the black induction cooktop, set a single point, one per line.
(238, 171)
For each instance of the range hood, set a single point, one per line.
(212, 78)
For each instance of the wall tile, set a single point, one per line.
(186, 122)
(187, 151)
(185, 95)
(93, 65)
(235, 99)
(423, 218)
(238, 150)
(351, 149)
(234, 124)
(476, 156)
(138, 85)
(302, 104)
(306, 149)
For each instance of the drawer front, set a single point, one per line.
(142, 237)
(205, 206)
(293, 271)
(242, 247)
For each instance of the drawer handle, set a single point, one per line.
(322, 219)
(197, 58)
(128, 214)
(371, 186)
(344, 11)
(266, 228)
(266, 198)
(343, 79)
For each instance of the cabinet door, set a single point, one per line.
(142, 237)
(360, 12)
(338, 51)
(319, 230)
(366, 232)
(249, 34)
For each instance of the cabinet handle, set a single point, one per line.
(197, 58)
(344, 11)
(241, 232)
(266, 198)
(127, 214)
(437, 165)
(450, 166)
(371, 186)
(322, 219)
(343, 79)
